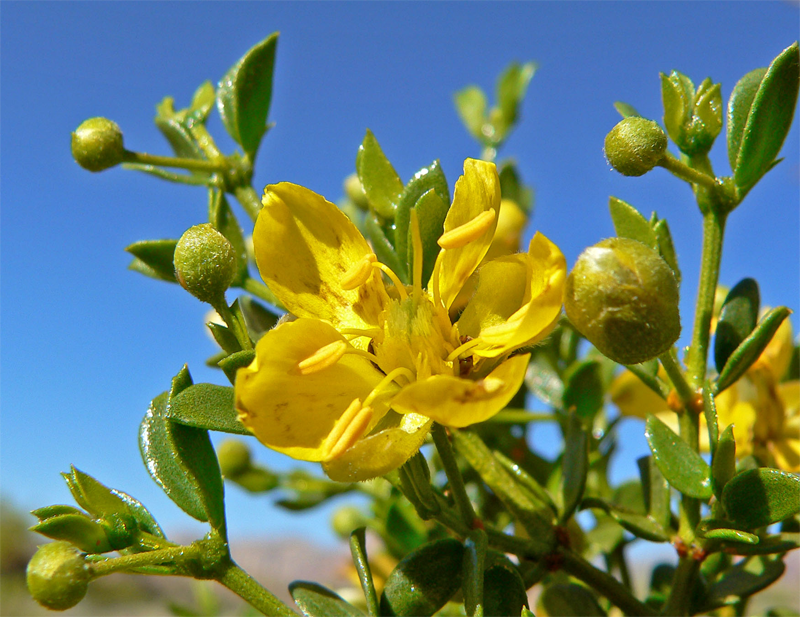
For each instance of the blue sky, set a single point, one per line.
(86, 343)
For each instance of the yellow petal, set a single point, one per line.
(382, 451)
(778, 353)
(518, 300)
(787, 455)
(292, 410)
(306, 248)
(477, 192)
(635, 399)
(457, 402)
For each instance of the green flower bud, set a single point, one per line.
(623, 297)
(635, 146)
(58, 576)
(97, 144)
(205, 263)
(234, 457)
(355, 192)
(346, 519)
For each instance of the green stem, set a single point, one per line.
(653, 382)
(170, 161)
(684, 172)
(682, 584)
(605, 584)
(238, 328)
(244, 586)
(205, 141)
(177, 555)
(260, 290)
(247, 196)
(676, 376)
(521, 416)
(445, 450)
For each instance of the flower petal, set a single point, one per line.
(382, 451)
(457, 402)
(305, 246)
(518, 299)
(292, 404)
(468, 227)
(635, 399)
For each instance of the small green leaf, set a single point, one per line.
(730, 535)
(526, 482)
(511, 187)
(629, 223)
(666, 247)
(57, 510)
(511, 87)
(656, 492)
(759, 497)
(741, 581)
(503, 591)
(382, 186)
(235, 361)
(768, 118)
(710, 413)
(382, 245)
(173, 126)
(405, 527)
(78, 529)
(723, 463)
(575, 466)
(737, 319)
(358, 549)
(424, 580)
(140, 514)
(258, 318)
(202, 102)
(154, 258)
(749, 350)
(431, 212)
(471, 106)
(626, 111)
(583, 389)
(245, 93)
(641, 525)
(767, 545)
(683, 468)
(570, 600)
(96, 498)
(225, 338)
(318, 601)
(677, 95)
(739, 105)
(206, 406)
(224, 221)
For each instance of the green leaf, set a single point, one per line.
(749, 350)
(358, 549)
(641, 525)
(677, 95)
(583, 389)
(737, 319)
(173, 126)
(318, 601)
(154, 258)
(666, 247)
(723, 463)
(140, 514)
(629, 223)
(511, 87)
(768, 545)
(224, 221)
(258, 318)
(527, 483)
(570, 600)
(656, 492)
(382, 186)
(768, 118)
(235, 361)
(78, 529)
(503, 591)
(382, 245)
(244, 95)
(683, 468)
(56, 510)
(471, 106)
(511, 187)
(575, 466)
(96, 498)
(730, 535)
(626, 111)
(543, 381)
(224, 337)
(741, 581)
(424, 580)
(206, 406)
(431, 212)
(202, 103)
(405, 527)
(739, 104)
(181, 459)
(759, 497)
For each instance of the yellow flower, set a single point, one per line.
(356, 380)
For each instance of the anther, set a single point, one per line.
(323, 358)
(358, 274)
(348, 430)
(466, 233)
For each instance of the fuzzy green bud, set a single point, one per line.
(623, 297)
(205, 263)
(58, 576)
(97, 144)
(635, 145)
(355, 192)
(234, 458)
(346, 519)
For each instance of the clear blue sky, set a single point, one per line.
(86, 344)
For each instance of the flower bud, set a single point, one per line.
(58, 576)
(355, 192)
(623, 297)
(234, 458)
(205, 263)
(635, 146)
(97, 144)
(346, 519)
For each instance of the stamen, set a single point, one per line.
(437, 296)
(348, 429)
(358, 274)
(377, 390)
(466, 233)
(323, 358)
(461, 349)
(416, 241)
(401, 289)
(358, 332)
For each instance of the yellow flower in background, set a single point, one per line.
(356, 381)
(765, 413)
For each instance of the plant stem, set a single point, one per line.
(177, 554)
(247, 196)
(238, 328)
(684, 172)
(605, 584)
(682, 584)
(676, 376)
(521, 416)
(445, 450)
(170, 161)
(244, 586)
